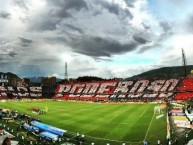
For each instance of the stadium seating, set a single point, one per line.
(115, 90)
(9, 92)
(112, 90)
(184, 96)
(185, 90)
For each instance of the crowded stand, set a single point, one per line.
(112, 90)
(96, 91)
(185, 90)
(118, 90)
(20, 92)
(48, 91)
(9, 92)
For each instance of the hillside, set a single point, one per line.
(9, 75)
(89, 78)
(165, 72)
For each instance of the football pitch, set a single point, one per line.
(99, 122)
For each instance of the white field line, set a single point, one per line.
(113, 118)
(126, 123)
(143, 113)
(149, 127)
(116, 116)
(112, 140)
(119, 141)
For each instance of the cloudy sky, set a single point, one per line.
(106, 38)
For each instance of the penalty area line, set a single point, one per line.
(149, 127)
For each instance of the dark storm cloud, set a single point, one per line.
(96, 13)
(47, 24)
(5, 54)
(99, 59)
(55, 12)
(25, 42)
(130, 3)
(73, 28)
(60, 8)
(114, 8)
(60, 14)
(97, 46)
(140, 39)
(165, 26)
(189, 24)
(4, 15)
(55, 40)
(146, 27)
(68, 4)
(12, 54)
(146, 48)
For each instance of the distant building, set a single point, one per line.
(48, 81)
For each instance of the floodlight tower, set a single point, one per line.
(66, 71)
(184, 62)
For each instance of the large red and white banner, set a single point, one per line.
(105, 90)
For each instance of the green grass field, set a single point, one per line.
(101, 123)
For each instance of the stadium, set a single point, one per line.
(127, 112)
(96, 72)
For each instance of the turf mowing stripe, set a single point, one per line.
(158, 125)
(126, 130)
(93, 117)
(79, 126)
(131, 110)
(105, 126)
(90, 114)
(137, 132)
(111, 140)
(143, 113)
(127, 123)
(140, 131)
(116, 116)
(149, 126)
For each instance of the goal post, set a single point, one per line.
(157, 110)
